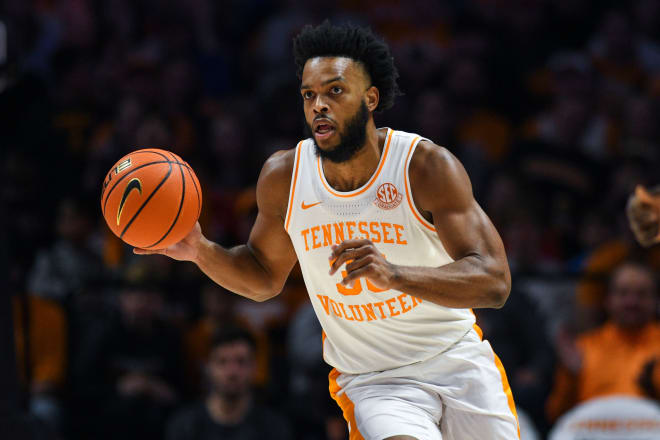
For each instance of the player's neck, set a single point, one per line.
(355, 172)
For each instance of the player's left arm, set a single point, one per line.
(479, 275)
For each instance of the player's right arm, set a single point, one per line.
(258, 269)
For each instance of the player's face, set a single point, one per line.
(231, 369)
(334, 91)
(631, 300)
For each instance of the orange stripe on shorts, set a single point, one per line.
(505, 382)
(507, 390)
(346, 405)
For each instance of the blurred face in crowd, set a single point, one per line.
(466, 81)
(227, 138)
(72, 222)
(570, 116)
(631, 302)
(647, 15)
(434, 115)
(618, 35)
(639, 118)
(153, 131)
(218, 304)
(334, 91)
(139, 307)
(231, 369)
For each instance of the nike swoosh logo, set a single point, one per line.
(132, 184)
(303, 206)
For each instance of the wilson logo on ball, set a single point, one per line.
(387, 196)
(132, 184)
(122, 166)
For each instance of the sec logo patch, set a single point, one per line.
(387, 196)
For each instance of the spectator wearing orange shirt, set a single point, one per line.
(41, 354)
(620, 356)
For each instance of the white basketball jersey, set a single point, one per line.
(367, 329)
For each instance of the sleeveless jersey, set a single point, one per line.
(367, 329)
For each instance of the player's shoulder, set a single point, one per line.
(278, 168)
(280, 163)
(275, 178)
(431, 162)
(434, 168)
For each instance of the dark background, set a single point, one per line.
(552, 106)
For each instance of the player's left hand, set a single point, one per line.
(362, 260)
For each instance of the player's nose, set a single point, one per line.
(320, 106)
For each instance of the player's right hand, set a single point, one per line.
(185, 250)
(643, 211)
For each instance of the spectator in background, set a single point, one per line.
(549, 162)
(40, 333)
(314, 414)
(517, 334)
(478, 125)
(619, 357)
(129, 370)
(229, 411)
(219, 312)
(70, 265)
(616, 53)
(512, 211)
(640, 131)
(434, 115)
(85, 82)
(600, 259)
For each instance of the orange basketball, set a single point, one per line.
(151, 198)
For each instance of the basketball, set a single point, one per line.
(151, 198)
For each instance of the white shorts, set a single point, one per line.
(460, 394)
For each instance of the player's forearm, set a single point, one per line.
(236, 269)
(470, 282)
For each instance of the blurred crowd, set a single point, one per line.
(550, 105)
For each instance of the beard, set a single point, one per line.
(351, 140)
(231, 391)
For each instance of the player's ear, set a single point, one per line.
(372, 95)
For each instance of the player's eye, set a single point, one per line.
(336, 90)
(308, 94)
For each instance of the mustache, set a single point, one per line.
(324, 116)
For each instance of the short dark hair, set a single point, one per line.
(637, 263)
(231, 334)
(354, 42)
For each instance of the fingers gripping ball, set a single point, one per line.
(151, 198)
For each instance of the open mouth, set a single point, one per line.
(323, 130)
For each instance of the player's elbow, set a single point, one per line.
(500, 287)
(494, 281)
(265, 291)
(264, 296)
(261, 298)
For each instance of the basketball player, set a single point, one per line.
(393, 248)
(643, 212)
